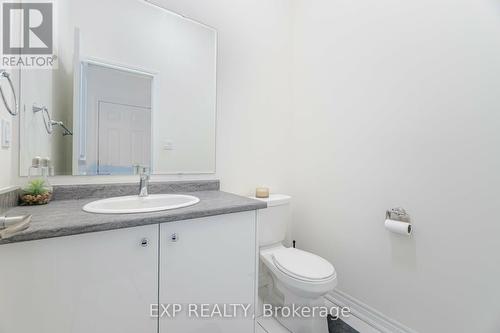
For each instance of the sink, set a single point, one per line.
(136, 204)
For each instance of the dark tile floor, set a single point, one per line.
(338, 326)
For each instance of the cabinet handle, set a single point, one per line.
(144, 242)
(174, 237)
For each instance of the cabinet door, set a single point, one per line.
(91, 283)
(208, 261)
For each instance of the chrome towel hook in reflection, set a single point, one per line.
(48, 122)
(12, 111)
(66, 131)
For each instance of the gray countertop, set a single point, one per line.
(66, 217)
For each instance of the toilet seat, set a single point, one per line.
(302, 265)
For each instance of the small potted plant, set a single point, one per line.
(37, 192)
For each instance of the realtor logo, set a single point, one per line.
(28, 34)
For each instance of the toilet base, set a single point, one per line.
(307, 323)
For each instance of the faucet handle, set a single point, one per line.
(145, 170)
(141, 170)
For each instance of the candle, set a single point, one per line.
(262, 192)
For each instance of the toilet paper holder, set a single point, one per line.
(397, 214)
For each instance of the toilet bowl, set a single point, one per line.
(296, 278)
(302, 278)
(298, 272)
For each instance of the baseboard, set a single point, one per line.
(367, 314)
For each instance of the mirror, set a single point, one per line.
(134, 85)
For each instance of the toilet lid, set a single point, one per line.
(303, 265)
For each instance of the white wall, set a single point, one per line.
(397, 103)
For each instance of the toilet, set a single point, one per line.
(289, 276)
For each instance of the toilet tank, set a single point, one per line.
(273, 222)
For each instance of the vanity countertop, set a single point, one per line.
(66, 217)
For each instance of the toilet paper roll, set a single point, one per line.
(398, 227)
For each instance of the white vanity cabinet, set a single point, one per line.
(101, 282)
(107, 282)
(210, 261)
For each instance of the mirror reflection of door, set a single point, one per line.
(115, 122)
(124, 138)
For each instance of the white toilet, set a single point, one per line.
(288, 275)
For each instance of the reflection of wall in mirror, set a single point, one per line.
(49, 88)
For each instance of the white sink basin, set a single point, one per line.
(135, 204)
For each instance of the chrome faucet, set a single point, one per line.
(144, 176)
